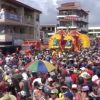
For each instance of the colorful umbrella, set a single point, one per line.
(41, 66)
(27, 65)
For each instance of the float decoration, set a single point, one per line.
(69, 40)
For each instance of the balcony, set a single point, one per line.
(5, 38)
(63, 16)
(27, 22)
(84, 29)
(6, 17)
(71, 18)
(83, 19)
(23, 36)
(9, 37)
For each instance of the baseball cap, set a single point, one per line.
(85, 88)
(74, 86)
(54, 91)
(50, 79)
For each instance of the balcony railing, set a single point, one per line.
(22, 36)
(84, 29)
(5, 38)
(72, 17)
(10, 16)
(10, 37)
(83, 19)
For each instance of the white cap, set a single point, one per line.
(95, 77)
(85, 88)
(82, 68)
(50, 79)
(74, 86)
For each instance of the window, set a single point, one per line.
(22, 31)
(97, 30)
(49, 28)
(29, 18)
(53, 28)
(98, 34)
(68, 23)
(43, 28)
(37, 17)
(90, 30)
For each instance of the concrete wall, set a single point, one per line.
(36, 27)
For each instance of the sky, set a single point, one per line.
(49, 11)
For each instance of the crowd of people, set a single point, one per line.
(76, 76)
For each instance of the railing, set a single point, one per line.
(67, 26)
(23, 36)
(5, 37)
(72, 17)
(10, 16)
(67, 13)
(12, 36)
(84, 29)
(83, 19)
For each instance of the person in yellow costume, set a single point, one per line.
(61, 96)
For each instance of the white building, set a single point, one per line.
(47, 31)
(94, 31)
(18, 21)
(72, 16)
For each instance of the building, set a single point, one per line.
(47, 31)
(94, 31)
(18, 22)
(72, 16)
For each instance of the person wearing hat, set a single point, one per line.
(41, 94)
(68, 96)
(64, 89)
(54, 94)
(49, 83)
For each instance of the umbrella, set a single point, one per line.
(41, 66)
(27, 65)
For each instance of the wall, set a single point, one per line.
(5, 38)
(36, 27)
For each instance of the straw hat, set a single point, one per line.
(8, 96)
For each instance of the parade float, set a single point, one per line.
(69, 40)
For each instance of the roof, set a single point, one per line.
(67, 8)
(15, 2)
(69, 5)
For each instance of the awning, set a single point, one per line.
(6, 45)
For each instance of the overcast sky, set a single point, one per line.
(49, 12)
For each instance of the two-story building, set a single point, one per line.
(72, 16)
(47, 31)
(18, 22)
(94, 31)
